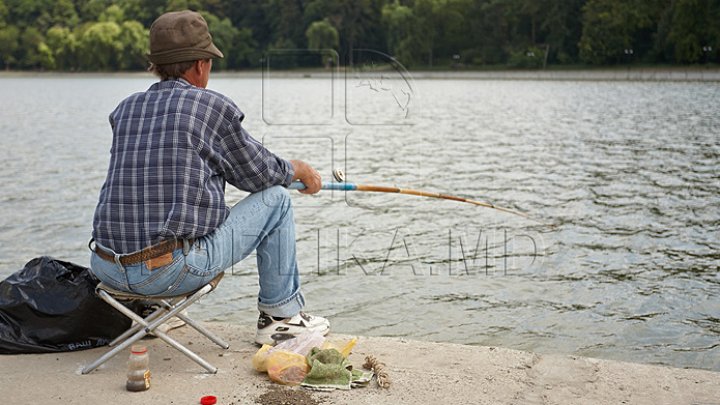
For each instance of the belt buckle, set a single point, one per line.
(160, 261)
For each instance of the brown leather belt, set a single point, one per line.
(147, 254)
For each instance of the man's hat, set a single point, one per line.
(181, 36)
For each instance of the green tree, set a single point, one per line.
(100, 46)
(63, 12)
(490, 31)
(135, 45)
(64, 34)
(322, 35)
(9, 42)
(3, 14)
(25, 12)
(562, 27)
(693, 27)
(244, 50)
(397, 20)
(434, 18)
(62, 44)
(355, 21)
(521, 27)
(91, 9)
(282, 59)
(112, 14)
(30, 41)
(604, 36)
(177, 5)
(252, 15)
(532, 12)
(284, 17)
(418, 34)
(611, 26)
(144, 11)
(529, 58)
(46, 57)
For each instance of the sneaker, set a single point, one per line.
(173, 323)
(271, 330)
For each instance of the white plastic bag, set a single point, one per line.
(301, 344)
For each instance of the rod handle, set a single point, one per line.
(296, 185)
(326, 185)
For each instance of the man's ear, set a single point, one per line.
(197, 68)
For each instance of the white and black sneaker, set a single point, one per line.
(172, 323)
(272, 330)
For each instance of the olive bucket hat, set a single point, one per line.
(181, 36)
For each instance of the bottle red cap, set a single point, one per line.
(208, 400)
(137, 349)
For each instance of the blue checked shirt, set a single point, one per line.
(174, 147)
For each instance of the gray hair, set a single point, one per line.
(171, 70)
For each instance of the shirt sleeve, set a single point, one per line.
(247, 164)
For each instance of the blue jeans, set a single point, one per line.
(261, 222)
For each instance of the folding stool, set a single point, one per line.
(169, 306)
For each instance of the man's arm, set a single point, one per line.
(249, 166)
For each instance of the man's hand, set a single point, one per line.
(309, 176)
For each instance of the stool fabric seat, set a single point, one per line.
(168, 307)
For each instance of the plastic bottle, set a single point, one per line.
(138, 376)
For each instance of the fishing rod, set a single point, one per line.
(340, 185)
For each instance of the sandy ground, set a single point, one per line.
(421, 373)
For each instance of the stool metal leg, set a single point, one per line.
(216, 339)
(149, 325)
(194, 357)
(137, 326)
(117, 349)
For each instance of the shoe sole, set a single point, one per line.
(276, 338)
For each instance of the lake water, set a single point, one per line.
(622, 180)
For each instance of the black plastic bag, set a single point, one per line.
(51, 306)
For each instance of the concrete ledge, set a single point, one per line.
(421, 373)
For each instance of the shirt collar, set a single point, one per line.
(170, 84)
(181, 80)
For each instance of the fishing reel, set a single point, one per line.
(339, 175)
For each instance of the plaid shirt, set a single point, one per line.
(174, 147)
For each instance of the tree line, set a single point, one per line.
(90, 35)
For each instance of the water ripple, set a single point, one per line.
(627, 174)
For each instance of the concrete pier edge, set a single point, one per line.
(421, 373)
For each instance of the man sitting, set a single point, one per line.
(161, 226)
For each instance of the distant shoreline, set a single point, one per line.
(633, 74)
